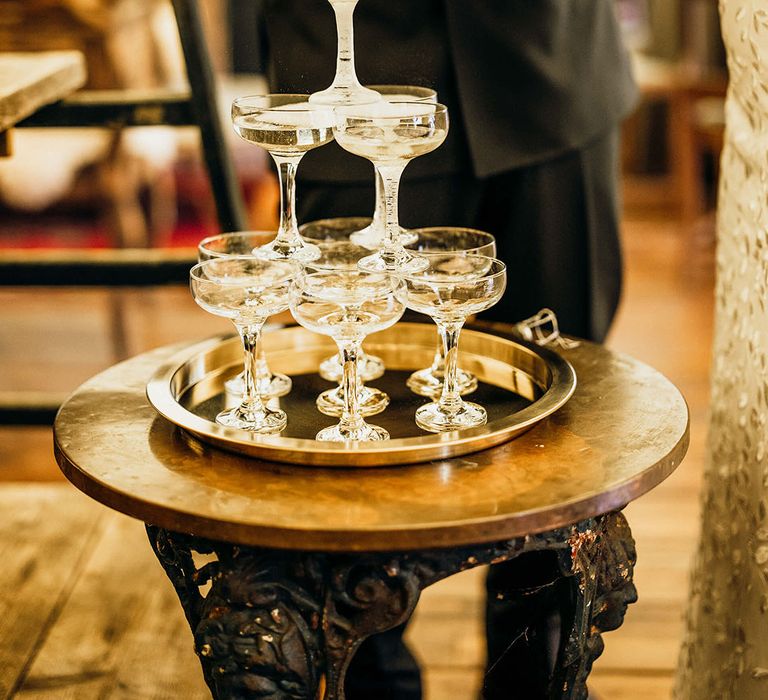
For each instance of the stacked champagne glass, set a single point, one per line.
(349, 277)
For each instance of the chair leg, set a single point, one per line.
(121, 182)
(226, 190)
(686, 159)
(163, 208)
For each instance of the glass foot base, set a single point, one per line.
(426, 383)
(369, 367)
(373, 239)
(364, 433)
(302, 252)
(370, 401)
(345, 95)
(433, 419)
(271, 387)
(266, 422)
(401, 264)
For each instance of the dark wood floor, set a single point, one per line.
(57, 339)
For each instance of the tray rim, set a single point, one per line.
(399, 451)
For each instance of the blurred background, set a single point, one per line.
(72, 189)
(57, 190)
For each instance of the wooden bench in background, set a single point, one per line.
(29, 81)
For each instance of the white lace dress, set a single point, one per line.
(725, 651)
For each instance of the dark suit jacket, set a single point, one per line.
(524, 80)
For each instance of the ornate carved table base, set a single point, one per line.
(285, 624)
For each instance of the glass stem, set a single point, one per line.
(345, 56)
(437, 369)
(262, 375)
(288, 231)
(359, 359)
(250, 335)
(450, 399)
(351, 419)
(378, 213)
(390, 179)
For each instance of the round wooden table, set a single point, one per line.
(284, 570)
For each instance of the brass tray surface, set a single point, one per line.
(520, 385)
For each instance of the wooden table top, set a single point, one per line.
(32, 80)
(624, 430)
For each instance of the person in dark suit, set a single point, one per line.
(536, 91)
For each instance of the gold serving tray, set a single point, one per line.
(520, 385)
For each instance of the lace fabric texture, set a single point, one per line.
(725, 649)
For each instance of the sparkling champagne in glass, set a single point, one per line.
(247, 291)
(454, 286)
(390, 135)
(337, 252)
(243, 243)
(437, 240)
(372, 236)
(347, 306)
(288, 127)
(345, 88)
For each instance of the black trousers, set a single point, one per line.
(557, 228)
(556, 225)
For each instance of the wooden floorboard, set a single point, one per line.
(122, 633)
(134, 642)
(630, 685)
(46, 535)
(456, 683)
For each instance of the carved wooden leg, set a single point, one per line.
(257, 626)
(546, 611)
(281, 624)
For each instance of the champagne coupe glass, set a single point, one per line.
(347, 306)
(437, 240)
(247, 291)
(287, 126)
(339, 253)
(454, 285)
(243, 243)
(390, 135)
(372, 236)
(345, 88)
